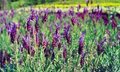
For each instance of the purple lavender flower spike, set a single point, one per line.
(13, 33)
(74, 20)
(28, 25)
(100, 46)
(82, 59)
(45, 17)
(59, 45)
(4, 57)
(52, 52)
(44, 41)
(59, 14)
(103, 41)
(98, 15)
(12, 13)
(71, 11)
(1, 30)
(56, 38)
(53, 56)
(64, 53)
(2, 60)
(38, 39)
(66, 33)
(37, 24)
(105, 18)
(114, 23)
(64, 14)
(81, 43)
(47, 52)
(25, 44)
(31, 51)
(32, 32)
(85, 11)
(99, 49)
(80, 15)
(32, 16)
(57, 28)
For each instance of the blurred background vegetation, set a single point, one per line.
(8, 4)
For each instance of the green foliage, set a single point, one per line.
(109, 61)
(22, 3)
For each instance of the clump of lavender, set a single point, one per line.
(81, 43)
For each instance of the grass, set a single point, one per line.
(74, 5)
(68, 3)
(83, 1)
